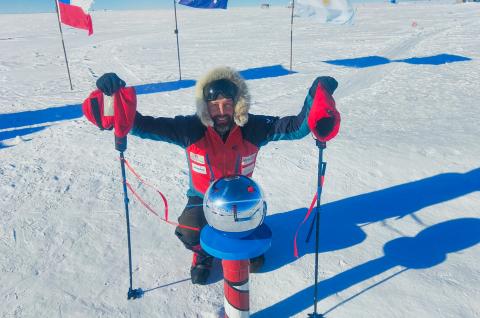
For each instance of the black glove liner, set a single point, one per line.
(110, 83)
(329, 83)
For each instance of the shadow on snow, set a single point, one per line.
(369, 61)
(17, 132)
(340, 227)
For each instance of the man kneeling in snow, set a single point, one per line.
(223, 139)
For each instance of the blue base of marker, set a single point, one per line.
(221, 245)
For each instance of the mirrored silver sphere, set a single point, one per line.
(234, 204)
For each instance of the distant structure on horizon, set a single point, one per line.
(265, 5)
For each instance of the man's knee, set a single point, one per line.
(189, 238)
(191, 216)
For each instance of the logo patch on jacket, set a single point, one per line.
(198, 168)
(197, 158)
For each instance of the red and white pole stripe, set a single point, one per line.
(235, 285)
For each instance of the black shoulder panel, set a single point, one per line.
(180, 130)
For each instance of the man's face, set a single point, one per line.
(221, 110)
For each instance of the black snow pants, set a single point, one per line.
(193, 216)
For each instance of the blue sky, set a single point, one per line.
(23, 6)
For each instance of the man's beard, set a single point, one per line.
(221, 125)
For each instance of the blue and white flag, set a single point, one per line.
(205, 4)
(329, 11)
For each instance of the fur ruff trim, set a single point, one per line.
(242, 105)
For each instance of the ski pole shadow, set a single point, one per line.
(165, 285)
(428, 248)
(341, 221)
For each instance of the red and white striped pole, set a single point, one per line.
(236, 291)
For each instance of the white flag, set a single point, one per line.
(332, 11)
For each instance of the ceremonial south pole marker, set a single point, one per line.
(235, 254)
(235, 210)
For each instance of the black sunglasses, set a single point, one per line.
(223, 87)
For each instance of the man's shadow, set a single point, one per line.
(341, 221)
(427, 249)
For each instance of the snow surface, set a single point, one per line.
(401, 203)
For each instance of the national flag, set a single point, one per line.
(205, 4)
(74, 13)
(333, 11)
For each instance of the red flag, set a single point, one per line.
(72, 13)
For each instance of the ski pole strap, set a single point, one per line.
(147, 206)
(310, 209)
(307, 215)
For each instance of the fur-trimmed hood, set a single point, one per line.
(242, 100)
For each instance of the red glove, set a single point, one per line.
(323, 119)
(124, 105)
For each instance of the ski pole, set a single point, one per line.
(121, 146)
(321, 173)
(310, 230)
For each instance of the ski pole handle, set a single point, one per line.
(121, 143)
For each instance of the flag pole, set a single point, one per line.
(291, 35)
(176, 33)
(63, 44)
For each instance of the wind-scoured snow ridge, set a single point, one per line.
(401, 201)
